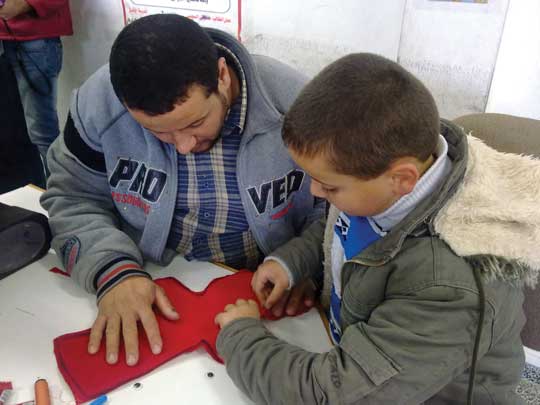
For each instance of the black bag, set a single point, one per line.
(24, 238)
(20, 161)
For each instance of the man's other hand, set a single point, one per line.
(119, 311)
(270, 284)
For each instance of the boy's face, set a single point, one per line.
(354, 196)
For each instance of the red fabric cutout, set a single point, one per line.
(59, 271)
(89, 376)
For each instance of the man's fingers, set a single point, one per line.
(151, 327)
(296, 296)
(164, 305)
(276, 293)
(309, 295)
(112, 338)
(131, 339)
(96, 333)
(259, 285)
(279, 307)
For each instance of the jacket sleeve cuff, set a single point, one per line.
(285, 267)
(229, 337)
(114, 272)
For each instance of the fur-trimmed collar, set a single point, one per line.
(493, 219)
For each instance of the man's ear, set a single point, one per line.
(224, 77)
(404, 175)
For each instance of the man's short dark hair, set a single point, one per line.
(363, 112)
(156, 59)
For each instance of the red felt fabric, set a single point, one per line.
(89, 376)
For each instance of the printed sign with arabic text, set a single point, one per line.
(225, 15)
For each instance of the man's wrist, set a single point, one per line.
(114, 273)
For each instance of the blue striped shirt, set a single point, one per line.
(209, 222)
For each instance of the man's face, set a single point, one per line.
(194, 125)
(349, 194)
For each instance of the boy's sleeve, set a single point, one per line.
(82, 216)
(393, 358)
(303, 255)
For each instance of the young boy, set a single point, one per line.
(424, 252)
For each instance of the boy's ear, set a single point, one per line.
(404, 177)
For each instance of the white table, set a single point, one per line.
(37, 305)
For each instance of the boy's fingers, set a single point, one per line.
(112, 338)
(217, 319)
(96, 333)
(151, 327)
(131, 339)
(220, 319)
(164, 305)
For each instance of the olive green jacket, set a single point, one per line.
(410, 302)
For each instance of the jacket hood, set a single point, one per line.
(262, 115)
(493, 218)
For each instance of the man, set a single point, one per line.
(30, 33)
(175, 147)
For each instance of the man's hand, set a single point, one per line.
(120, 309)
(241, 309)
(13, 8)
(270, 284)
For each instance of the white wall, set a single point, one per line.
(96, 23)
(452, 47)
(516, 82)
(309, 34)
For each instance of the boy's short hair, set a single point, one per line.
(363, 112)
(156, 59)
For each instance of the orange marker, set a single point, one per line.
(41, 389)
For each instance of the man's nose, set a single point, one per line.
(184, 144)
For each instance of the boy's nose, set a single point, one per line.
(316, 189)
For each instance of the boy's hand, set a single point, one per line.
(270, 283)
(119, 311)
(241, 309)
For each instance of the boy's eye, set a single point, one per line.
(329, 190)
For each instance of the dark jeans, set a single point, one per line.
(41, 62)
(20, 161)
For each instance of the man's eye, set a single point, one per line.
(329, 190)
(196, 124)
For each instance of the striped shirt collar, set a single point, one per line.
(236, 116)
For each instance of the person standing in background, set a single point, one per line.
(30, 33)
